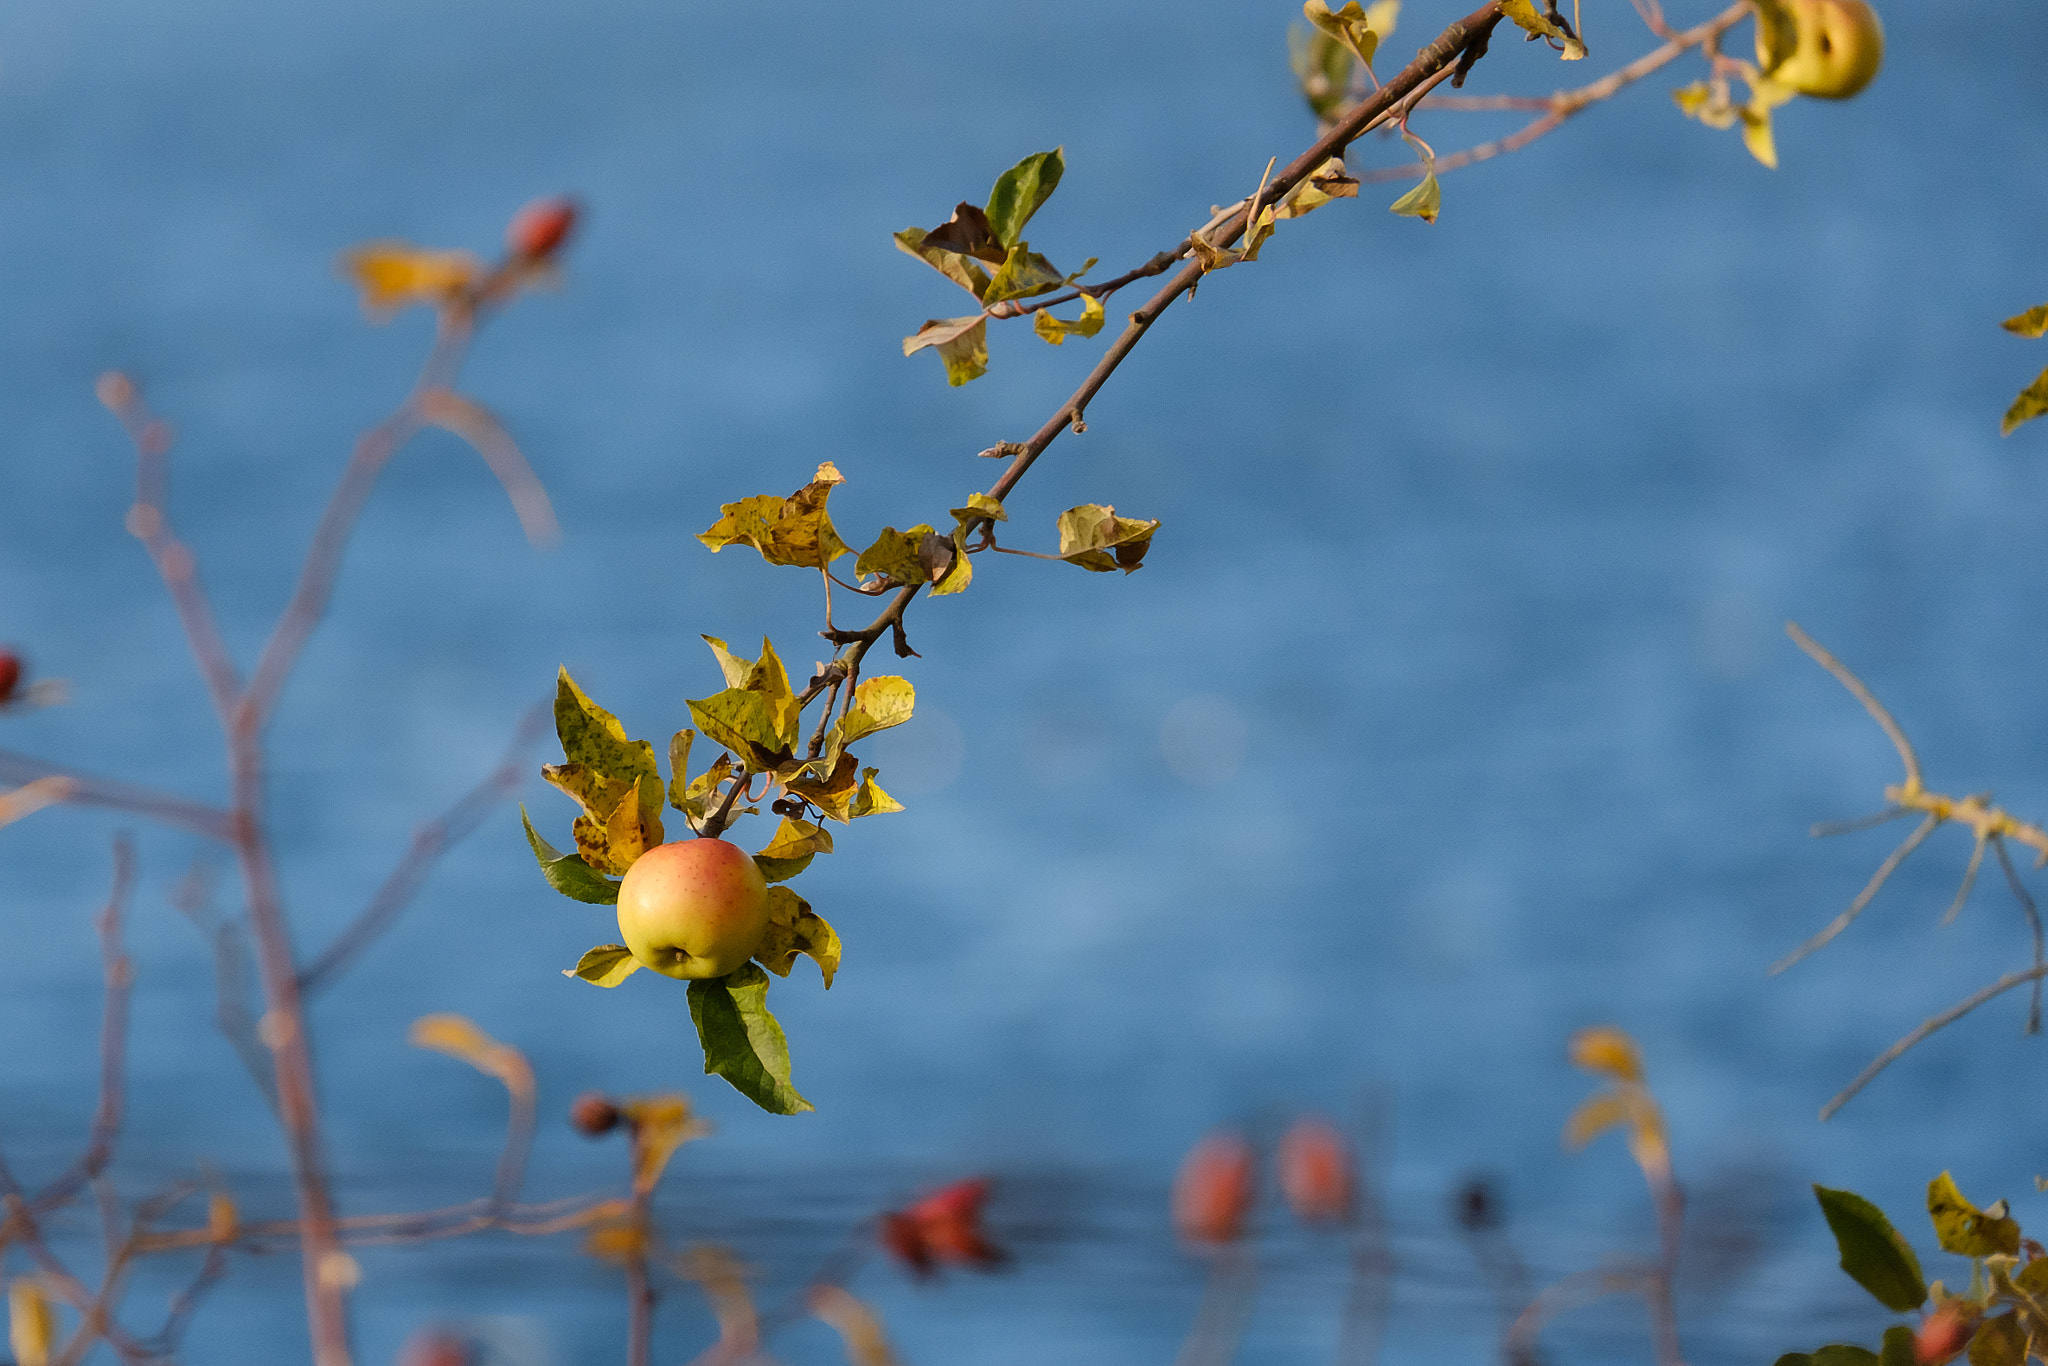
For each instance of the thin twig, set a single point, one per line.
(1941, 1021)
(1955, 908)
(1859, 692)
(1565, 103)
(1226, 1306)
(1519, 1343)
(429, 843)
(172, 810)
(2033, 913)
(1825, 829)
(119, 975)
(1877, 880)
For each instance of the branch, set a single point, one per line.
(1562, 105)
(429, 843)
(1938, 1022)
(149, 522)
(1863, 695)
(172, 810)
(119, 973)
(1877, 880)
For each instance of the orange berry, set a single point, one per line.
(1213, 1192)
(594, 1115)
(1315, 1172)
(540, 228)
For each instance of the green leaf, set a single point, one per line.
(796, 530)
(568, 873)
(2000, 1341)
(1425, 201)
(894, 555)
(1525, 16)
(1794, 1359)
(1898, 1347)
(962, 343)
(1095, 538)
(1873, 1253)
(2032, 323)
(2032, 402)
(2033, 1278)
(1844, 1354)
(742, 1042)
(1021, 191)
(878, 704)
(1964, 1229)
(1756, 133)
(607, 965)
(1024, 275)
(1057, 330)
(794, 928)
(870, 800)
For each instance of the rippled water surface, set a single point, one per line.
(1449, 714)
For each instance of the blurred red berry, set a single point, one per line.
(1315, 1172)
(1945, 1332)
(593, 1115)
(944, 1227)
(10, 673)
(1213, 1192)
(540, 228)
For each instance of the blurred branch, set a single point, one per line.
(81, 790)
(429, 843)
(119, 974)
(1938, 1022)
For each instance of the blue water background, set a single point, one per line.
(1478, 538)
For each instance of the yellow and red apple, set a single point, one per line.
(693, 909)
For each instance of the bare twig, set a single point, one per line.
(1861, 694)
(119, 974)
(1564, 104)
(168, 808)
(1519, 1345)
(429, 843)
(1226, 1306)
(2033, 914)
(1938, 1022)
(1877, 880)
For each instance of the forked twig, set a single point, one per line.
(1938, 1022)
(1877, 880)
(1863, 695)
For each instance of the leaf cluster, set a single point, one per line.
(2002, 1314)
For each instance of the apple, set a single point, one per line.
(695, 908)
(1826, 48)
(1945, 1331)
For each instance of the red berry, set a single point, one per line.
(593, 1115)
(944, 1226)
(540, 228)
(1213, 1192)
(1945, 1332)
(10, 673)
(1315, 1172)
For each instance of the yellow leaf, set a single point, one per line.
(723, 1278)
(796, 530)
(894, 555)
(1352, 25)
(607, 965)
(870, 800)
(1425, 201)
(661, 1124)
(1606, 1049)
(2032, 323)
(395, 275)
(2032, 402)
(962, 343)
(859, 1326)
(1594, 1117)
(878, 704)
(456, 1036)
(1057, 330)
(794, 928)
(1095, 538)
(1756, 135)
(31, 1322)
(1537, 25)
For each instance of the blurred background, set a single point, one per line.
(1450, 713)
